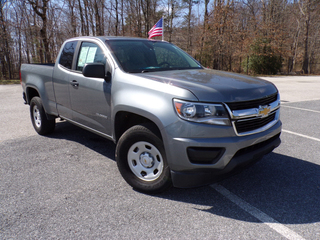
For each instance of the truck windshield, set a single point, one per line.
(136, 56)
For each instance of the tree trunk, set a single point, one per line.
(71, 6)
(305, 66)
(117, 17)
(4, 46)
(41, 11)
(81, 19)
(204, 31)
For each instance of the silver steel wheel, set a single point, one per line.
(141, 159)
(145, 161)
(36, 116)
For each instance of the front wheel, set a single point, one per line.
(141, 160)
(39, 119)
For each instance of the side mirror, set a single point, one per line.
(94, 70)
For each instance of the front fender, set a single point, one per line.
(147, 98)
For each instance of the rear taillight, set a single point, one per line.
(20, 77)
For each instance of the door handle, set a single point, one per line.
(74, 83)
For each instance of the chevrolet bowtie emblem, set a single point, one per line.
(264, 111)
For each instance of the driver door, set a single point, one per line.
(90, 97)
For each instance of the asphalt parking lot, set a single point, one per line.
(67, 186)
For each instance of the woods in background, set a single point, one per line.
(246, 36)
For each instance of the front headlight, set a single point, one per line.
(202, 112)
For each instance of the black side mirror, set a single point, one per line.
(94, 70)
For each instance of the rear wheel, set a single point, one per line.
(141, 160)
(39, 119)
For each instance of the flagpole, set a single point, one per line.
(162, 29)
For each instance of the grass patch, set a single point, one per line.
(12, 81)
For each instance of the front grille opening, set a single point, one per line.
(253, 124)
(253, 103)
(257, 146)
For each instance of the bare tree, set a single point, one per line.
(73, 19)
(305, 7)
(4, 44)
(33, 30)
(204, 30)
(40, 7)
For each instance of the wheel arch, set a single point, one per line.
(30, 93)
(124, 120)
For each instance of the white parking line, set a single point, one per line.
(301, 135)
(303, 109)
(264, 218)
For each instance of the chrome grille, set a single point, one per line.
(249, 117)
(249, 125)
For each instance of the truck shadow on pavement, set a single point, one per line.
(68, 131)
(283, 187)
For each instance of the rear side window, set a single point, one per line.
(67, 54)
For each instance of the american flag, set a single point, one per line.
(156, 30)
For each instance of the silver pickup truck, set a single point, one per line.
(174, 122)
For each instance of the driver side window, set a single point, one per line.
(89, 53)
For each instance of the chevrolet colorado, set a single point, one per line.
(174, 122)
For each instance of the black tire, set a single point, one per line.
(141, 160)
(40, 122)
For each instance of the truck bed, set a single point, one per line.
(39, 76)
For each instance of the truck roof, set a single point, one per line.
(103, 38)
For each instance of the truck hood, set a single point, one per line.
(215, 86)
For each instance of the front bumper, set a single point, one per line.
(236, 153)
(242, 159)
